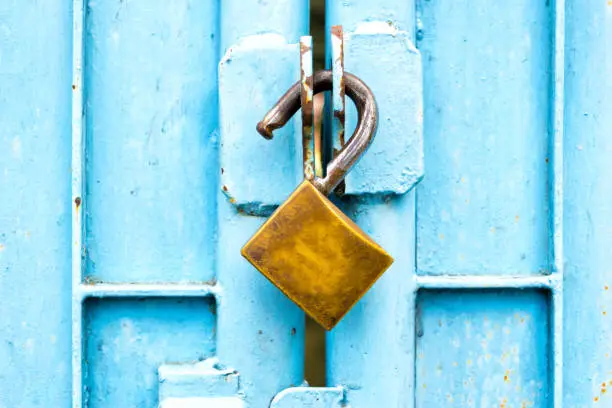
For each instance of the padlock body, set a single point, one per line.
(316, 255)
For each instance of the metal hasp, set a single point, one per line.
(312, 397)
(308, 248)
(201, 385)
(307, 104)
(262, 67)
(378, 52)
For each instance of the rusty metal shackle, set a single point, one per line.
(364, 101)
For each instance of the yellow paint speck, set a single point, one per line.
(606, 287)
(469, 362)
(1, 247)
(441, 236)
(516, 219)
(463, 179)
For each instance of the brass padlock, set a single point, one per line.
(308, 248)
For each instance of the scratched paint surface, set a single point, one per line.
(35, 205)
(151, 97)
(588, 201)
(483, 204)
(482, 349)
(128, 339)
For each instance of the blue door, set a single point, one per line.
(131, 175)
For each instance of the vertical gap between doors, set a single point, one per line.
(314, 355)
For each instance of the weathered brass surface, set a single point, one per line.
(316, 255)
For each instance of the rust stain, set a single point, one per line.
(77, 202)
(318, 105)
(73, 87)
(91, 280)
(225, 188)
(306, 101)
(338, 32)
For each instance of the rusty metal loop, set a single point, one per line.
(364, 100)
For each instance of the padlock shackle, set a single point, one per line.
(349, 155)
